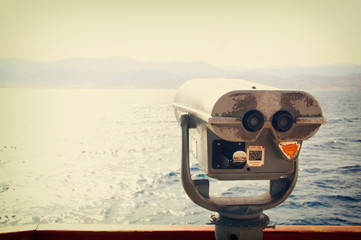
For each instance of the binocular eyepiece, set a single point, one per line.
(253, 121)
(282, 121)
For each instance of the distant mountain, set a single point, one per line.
(125, 72)
(114, 72)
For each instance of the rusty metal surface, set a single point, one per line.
(222, 103)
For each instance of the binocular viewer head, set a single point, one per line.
(239, 130)
(244, 130)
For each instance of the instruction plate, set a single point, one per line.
(255, 156)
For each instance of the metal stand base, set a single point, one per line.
(235, 229)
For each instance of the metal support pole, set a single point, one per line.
(236, 229)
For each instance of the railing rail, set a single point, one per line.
(199, 232)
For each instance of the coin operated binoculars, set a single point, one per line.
(240, 130)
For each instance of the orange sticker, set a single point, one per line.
(290, 149)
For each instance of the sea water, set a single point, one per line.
(113, 157)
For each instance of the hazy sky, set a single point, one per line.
(244, 33)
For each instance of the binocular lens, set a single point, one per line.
(253, 121)
(282, 121)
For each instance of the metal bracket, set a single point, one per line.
(197, 191)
